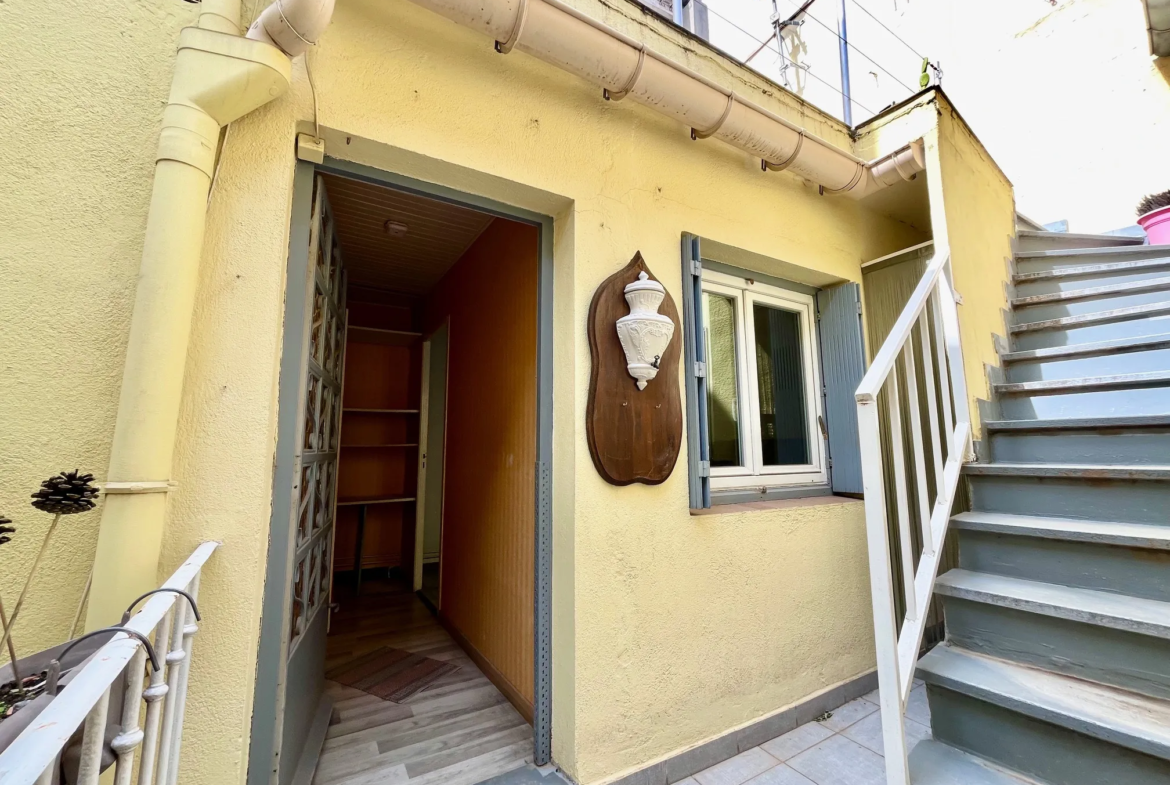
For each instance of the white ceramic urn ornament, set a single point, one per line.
(644, 333)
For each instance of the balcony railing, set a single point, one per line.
(924, 344)
(169, 620)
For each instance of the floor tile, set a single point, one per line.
(780, 775)
(687, 781)
(868, 733)
(796, 741)
(873, 697)
(917, 707)
(851, 712)
(737, 770)
(840, 761)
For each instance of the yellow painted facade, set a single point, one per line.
(669, 629)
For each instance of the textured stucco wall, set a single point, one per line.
(669, 629)
(979, 213)
(80, 103)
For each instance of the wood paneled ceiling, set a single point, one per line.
(437, 234)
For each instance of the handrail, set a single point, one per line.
(33, 755)
(938, 356)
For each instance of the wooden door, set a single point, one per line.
(313, 513)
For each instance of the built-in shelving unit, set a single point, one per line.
(377, 478)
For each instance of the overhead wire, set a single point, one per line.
(867, 12)
(854, 47)
(766, 43)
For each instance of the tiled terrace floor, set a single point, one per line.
(845, 749)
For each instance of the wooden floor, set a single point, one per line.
(458, 731)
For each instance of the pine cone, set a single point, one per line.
(66, 493)
(6, 529)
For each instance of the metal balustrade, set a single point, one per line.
(169, 619)
(921, 520)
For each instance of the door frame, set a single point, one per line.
(272, 625)
(424, 427)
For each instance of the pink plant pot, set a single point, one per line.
(1157, 225)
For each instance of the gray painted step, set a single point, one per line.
(1030, 240)
(1079, 423)
(1079, 491)
(1097, 276)
(1128, 313)
(1132, 355)
(1046, 752)
(1133, 571)
(1069, 471)
(1104, 637)
(1098, 348)
(1033, 262)
(1085, 384)
(1141, 446)
(1091, 328)
(1129, 535)
(1115, 611)
(1118, 717)
(935, 763)
(1122, 298)
(1093, 292)
(1101, 403)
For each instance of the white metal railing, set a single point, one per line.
(169, 619)
(931, 308)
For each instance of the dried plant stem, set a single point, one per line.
(81, 605)
(11, 647)
(31, 574)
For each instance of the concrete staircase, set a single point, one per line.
(1056, 667)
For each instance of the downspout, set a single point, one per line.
(562, 36)
(219, 77)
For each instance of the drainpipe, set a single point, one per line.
(219, 77)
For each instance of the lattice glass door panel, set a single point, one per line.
(320, 421)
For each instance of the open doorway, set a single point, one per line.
(412, 628)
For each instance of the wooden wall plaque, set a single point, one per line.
(634, 435)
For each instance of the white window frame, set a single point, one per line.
(746, 294)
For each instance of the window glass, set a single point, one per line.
(780, 379)
(723, 416)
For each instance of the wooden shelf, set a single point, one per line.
(383, 337)
(357, 500)
(376, 446)
(380, 411)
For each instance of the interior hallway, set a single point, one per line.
(460, 730)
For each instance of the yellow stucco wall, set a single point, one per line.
(979, 226)
(80, 107)
(668, 629)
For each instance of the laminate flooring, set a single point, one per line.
(460, 730)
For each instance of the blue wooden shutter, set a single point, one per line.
(695, 371)
(843, 366)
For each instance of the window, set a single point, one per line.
(763, 404)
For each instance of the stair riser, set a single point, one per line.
(1073, 283)
(1045, 263)
(1048, 339)
(1058, 310)
(1038, 749)
(1125, 501)
(1081, 367)
(1152, 400)
(1137, 572)
(1139, 446)
(1132, 661)
(1052, 241)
